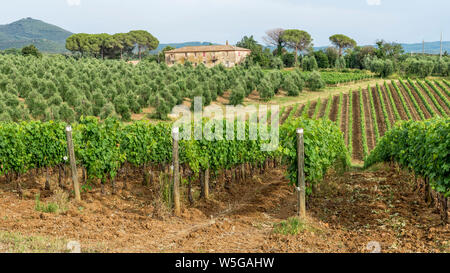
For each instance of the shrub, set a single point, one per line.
(237, 95)
(419, 68)
(309, 63)
(315, 81)
(121, 106)
(290, 87)
(31, 50)
(265, 90)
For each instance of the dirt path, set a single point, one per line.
(344, 118)
(322, 109)
(312, 109)
(379, 112)
(412, 109)
(428, 99)
(419, 101)
(346, 213)
(370, 133)
(389, 106)
(357, 134)
(398, 102)
(334, 108)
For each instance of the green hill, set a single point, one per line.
(46, 37)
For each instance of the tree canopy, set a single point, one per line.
(341, 41)
(296, 39)
(31, 50)
(111, 46)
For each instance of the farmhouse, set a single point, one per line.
(210, 56)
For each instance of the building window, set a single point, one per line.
(204, 54)
(239, 53)
(185, 55)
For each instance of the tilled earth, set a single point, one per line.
(347, 212)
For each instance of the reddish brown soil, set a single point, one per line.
(389, 106)
(334, 108)
(379, 112)
(344, 118)
(419, 101)
(358, 153)
(312, 109)
(412, 109)
(398, 102)
(322, 109)
(345, 214)
(371, 142)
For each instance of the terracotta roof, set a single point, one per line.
(209, 48)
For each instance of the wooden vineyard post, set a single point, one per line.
(73, 163)
(176, 173)
(301, 207)
(206, 183)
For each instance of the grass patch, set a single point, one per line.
(59, 203)
(11, 242)
(291, 226)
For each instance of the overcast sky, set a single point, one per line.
(407, 21)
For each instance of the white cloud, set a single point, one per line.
(72, 3)
(373, 2)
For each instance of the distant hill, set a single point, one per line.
(430, 47)
(46, 37)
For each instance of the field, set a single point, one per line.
(56, 88)
(376, 109)
(234, 196)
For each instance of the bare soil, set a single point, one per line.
(334, 108)
(412, 109)
(398, 102)
(322, 109)
(428, 99)
(419, 101)
(347, 212)
(344, 118)
(389, 106)
(357, 133)
(370, 133)
(312, 109)
(379, 112)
